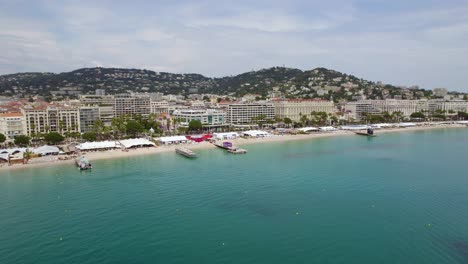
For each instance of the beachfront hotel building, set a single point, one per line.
(375, 107)
(208, 118)
(447, 106)
(358, 109)
(50, 118)
(294, 108)
(12, 124)
(245, 114)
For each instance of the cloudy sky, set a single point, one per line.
(402, 42)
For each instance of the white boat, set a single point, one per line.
(186, 152)
(83, 163)
(237, 151)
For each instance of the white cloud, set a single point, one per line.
(153, 35)
(261, 21)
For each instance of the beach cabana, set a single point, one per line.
(136, 142)
(173, 140)
(226, 135)
(97, 145)
(46, 150)
(256, 133)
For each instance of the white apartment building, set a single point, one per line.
(12, 124)
(209, 117)
(159, 107)
(294, 108)
(407, 107)
(443, 105)
(128, 104)
(375, 107)
(242, 114)
(100, 100)
(51, 119)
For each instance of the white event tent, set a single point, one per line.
(308, 129)
(354, 127)
(327, 128)
(136, 142)
(406, 124)
(97, 145)
(46, 150)
(226, 135)
(173, 140)
(256, 133)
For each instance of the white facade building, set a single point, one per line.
(209, 117)
(12, 124)
(244, 114)
(294, 108)
(51, 119)
(159, 107)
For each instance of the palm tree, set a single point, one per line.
(26, 156)
(397, 116)
(304, 120)
(387, 116)
(60, 126)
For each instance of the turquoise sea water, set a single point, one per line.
(396, 198)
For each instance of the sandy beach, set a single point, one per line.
(114, 154)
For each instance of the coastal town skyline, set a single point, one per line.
(397, 43)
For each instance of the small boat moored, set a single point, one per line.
(237, 151)
(83, 163)
(223, 145)
(186, 152)
(229, 147)
(369, 133)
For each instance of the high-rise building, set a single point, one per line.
(88, 116)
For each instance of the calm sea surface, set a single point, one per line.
(396, 198)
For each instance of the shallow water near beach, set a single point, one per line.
(396, 198)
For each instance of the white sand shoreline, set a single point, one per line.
(116, 154)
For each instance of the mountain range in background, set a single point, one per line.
(272, 82)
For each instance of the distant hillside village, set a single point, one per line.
(97, 104)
